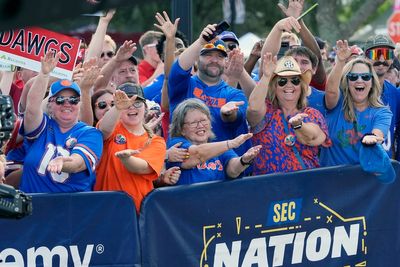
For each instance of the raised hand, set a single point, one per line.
(257, 47)
(125, 51)
(238, 141)
(91, 73)
(297, 119)
(231, 107)
(294, 9)
(108, 16)
(234, 64)
(288, 24)
(165, 24)
(251, 153)
(122, 101)
(343, 51)
(126, 153)
(269, 64)
(207, 31)
(49, 61)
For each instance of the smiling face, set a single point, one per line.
(102, 105)
(133, 117)
(360, 88)
(65, 114)
(211, 65)
(196, 127)
(288, 89)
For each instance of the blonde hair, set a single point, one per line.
(111, 42)
(374, 95)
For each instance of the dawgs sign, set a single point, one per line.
(338, 216)
(25, 47)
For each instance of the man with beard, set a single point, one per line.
(227, 104)
(379, 50)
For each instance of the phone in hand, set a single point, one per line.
(283, 49)
(222, 26)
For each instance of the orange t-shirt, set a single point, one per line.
(113, 176)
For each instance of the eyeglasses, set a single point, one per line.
(218, 46)
(108, 54)
(376, 53)
(195, 124)
(60, 100)
(378, 63)
(104, 104)
(354, 76)
(282, 81)
(231, 46)
(138, 104)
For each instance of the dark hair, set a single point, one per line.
(303, 51)
(160, 44)
(96, 96)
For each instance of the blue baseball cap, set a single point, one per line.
(218, 45)
(374, 159)
(63, 84)
(229, 36)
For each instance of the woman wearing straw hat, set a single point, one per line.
(288, 130)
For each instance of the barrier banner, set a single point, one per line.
(25, 47)
(79, 229)
(337, 216)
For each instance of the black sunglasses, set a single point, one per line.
(282, 81)
(378, 63)
(104, 104)
(60, 100)
(232, 46)
(354, 76)
(109, 54)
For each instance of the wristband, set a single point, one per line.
(245, 163)
(362, 138)
(298, 126)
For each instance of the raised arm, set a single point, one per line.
(332, 92)
(6, 81)
(237, 165)
(96, 43)
(111, 118)
(169, 29)
(309, 133)
(33, 113)
(187, 59)
(257, 109)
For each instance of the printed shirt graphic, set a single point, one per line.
(211, 170)
(182, 86)
(346, 135)
(47, 142)
(275, 155)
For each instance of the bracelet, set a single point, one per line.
(245, 163)
(298, 126)
(227, 144)
(362, 138)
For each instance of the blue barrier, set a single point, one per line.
(80, 229)
(338, 216)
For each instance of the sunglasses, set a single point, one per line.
(108, 54)
(104, 104)
(378, 63)
(354, 76)
(282, 81)
(232, 46)
(376, 53)
(60, 100)
(211, 45)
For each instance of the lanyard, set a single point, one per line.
(290, 141)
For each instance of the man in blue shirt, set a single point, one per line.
(227, 104)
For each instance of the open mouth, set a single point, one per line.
(359, 88)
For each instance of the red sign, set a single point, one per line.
(25, 47)
(393, 26)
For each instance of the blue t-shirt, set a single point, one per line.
(182, 86)
(47, 142)
(391, 97)
(153, 90)
(316, 100)
(211, 170)
(346, 135)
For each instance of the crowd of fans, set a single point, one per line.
(193, 113)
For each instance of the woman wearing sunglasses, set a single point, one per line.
(61, 152)
(133, 156)
(289, 131)
(356, 115)
(102, 101)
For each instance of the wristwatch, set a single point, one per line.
(245, 163)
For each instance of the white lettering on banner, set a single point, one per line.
(10, 257)
(317, 245)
